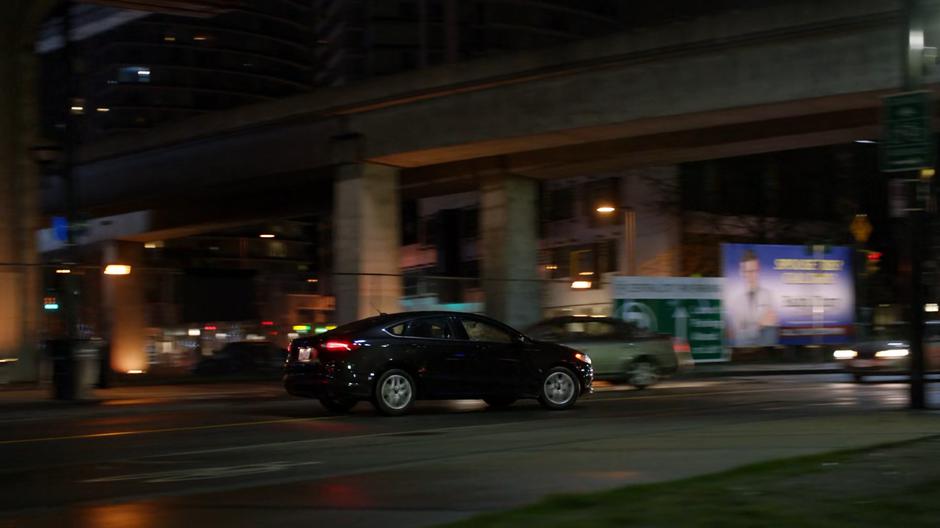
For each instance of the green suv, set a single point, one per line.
(619, 351)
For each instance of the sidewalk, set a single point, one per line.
(762, 369)
(24, 398)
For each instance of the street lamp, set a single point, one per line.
(117, 269)
(628, 247)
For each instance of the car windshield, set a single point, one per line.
(888, 332)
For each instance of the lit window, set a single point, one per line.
(134, 74)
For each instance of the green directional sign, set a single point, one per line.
(908, 142)
(697, 321)
(683, 307)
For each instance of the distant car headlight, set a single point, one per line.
(844, 354)
(893, 353)
(581, 356)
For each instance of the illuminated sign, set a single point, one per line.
(790, 295)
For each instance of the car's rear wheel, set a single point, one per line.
(642, 373)
(394, 393)
(560, 389)
(337, 404)
(499, 402)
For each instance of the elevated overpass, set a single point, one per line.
(781, 77)
(764, 79)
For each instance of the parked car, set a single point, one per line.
(244, 357)
(888, 354)
(620, 351)
(393, 360)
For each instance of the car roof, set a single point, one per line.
(400, 316)
(581, 318)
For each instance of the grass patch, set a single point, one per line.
(889, 485)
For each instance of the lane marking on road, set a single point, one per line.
(161, 430)
(205, 473)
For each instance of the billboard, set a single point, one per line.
(686, 308)
(787, 295)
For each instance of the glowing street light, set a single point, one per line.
(266, 235)
(117, 269)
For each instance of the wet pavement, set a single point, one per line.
(246, 455)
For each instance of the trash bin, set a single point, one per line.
(75, 368)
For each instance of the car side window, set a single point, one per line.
(932, 332)
(397, 330)
(480, 331)
(429, 327)
(575, 330)
(546, 332)
(600, 330)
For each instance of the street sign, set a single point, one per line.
(860, 228)
(687, 308)
(908, 142)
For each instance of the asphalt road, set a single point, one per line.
(259, 458)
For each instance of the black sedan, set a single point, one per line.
(394, 359)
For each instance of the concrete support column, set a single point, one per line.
(19, 212)
(509, 247)
(123, 302)
(366, 241)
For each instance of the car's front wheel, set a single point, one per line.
(394, 393)
(337, 404)
(560, 389)
(642, 373)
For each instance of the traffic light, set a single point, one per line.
(873, 261)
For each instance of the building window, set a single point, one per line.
(277, 249)
(559, 204)
(470, 223)
(134, 74)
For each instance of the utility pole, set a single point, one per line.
(913, 63)
(70, 297)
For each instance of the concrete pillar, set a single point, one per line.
(509, 247)
(123, 302)
(19, 211)
(366, 241)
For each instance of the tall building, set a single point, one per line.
(358, 39)
(134, 70)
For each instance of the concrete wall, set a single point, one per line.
(19, 208)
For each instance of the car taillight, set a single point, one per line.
(336, 345)
(680, 346)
